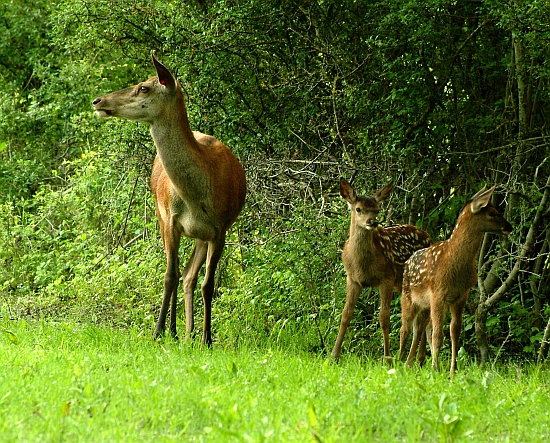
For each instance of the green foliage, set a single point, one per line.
(288, 290)
(55, 247)
(422, 93)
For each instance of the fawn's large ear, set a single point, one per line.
(347, 192)
(383, 193)
(482, 198)
(164, 75)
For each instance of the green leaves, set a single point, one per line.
(11, 336)
(423, 93)
(312, 416)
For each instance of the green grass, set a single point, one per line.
(66, 382)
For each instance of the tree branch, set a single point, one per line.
(525, 250)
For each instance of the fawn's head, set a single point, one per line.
(143, 102)
(484, 215)
(364, 209)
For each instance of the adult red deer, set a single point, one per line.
(374, 257)
(439, 278)
(198, 184)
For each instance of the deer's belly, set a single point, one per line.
(196, 227)
(421, 297)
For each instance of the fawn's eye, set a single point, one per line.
(143, 89)
(358, 210)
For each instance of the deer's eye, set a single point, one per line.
(358, 210)
(143, 89)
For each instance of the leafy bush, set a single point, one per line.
(289, 285)
(337, 87)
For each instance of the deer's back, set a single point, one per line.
(405, 240)
(381, 254)
(435, 270)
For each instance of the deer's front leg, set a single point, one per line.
(437, 308)
(353, 290)
(171, 238)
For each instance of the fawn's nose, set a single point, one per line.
(372, 222)
(96, 101)
(507, 230)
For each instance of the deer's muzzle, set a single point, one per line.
(99, 110)
(372, 224)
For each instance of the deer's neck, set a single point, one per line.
(464, 245)
(361, 240)
(178, 149)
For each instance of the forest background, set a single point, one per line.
(439, 97)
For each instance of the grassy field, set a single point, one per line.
(78, 383)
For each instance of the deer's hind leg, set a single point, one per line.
(408, 314)
(190, 277)
(386, 296)
(419, 337)
(215, 249)
(426, 335)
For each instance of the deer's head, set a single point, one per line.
(487, 218)
(364, 210)
(143, 102)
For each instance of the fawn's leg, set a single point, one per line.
(408, 313)
(456, 326)
(437, 316)
(419, 335)
(386, 296)
(353, 290)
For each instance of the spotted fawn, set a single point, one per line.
(374, 256)
(439, 278)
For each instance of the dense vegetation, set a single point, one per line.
(440, 97)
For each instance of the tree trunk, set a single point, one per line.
(536, 285)
(488, 302)
(481, 332)
(524, 91)
(492, 280)
(543, 350)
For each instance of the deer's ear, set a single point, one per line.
(347, 192)
(383, 193)
(481, 199)
(164, 75)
